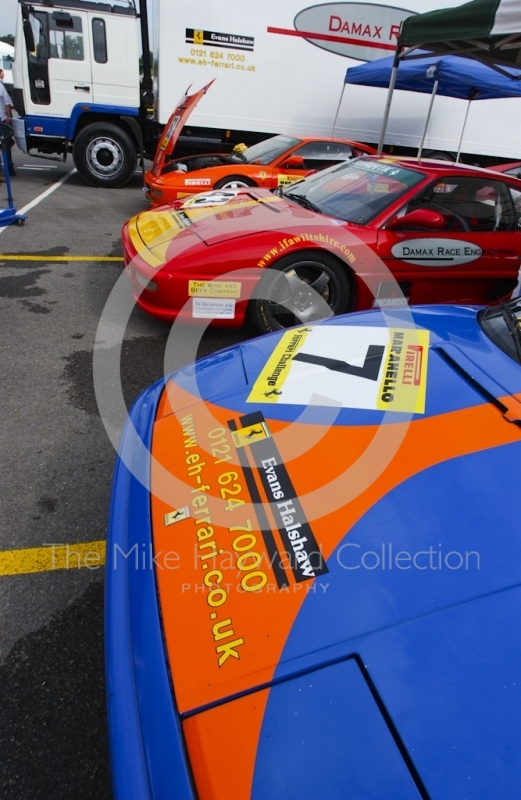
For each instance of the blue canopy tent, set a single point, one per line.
(450, 76)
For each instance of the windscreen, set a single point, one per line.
(354, 192)
(265, 152)
(502, 324)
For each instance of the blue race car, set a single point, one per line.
(314, 566)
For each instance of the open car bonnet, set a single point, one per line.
(174, 126)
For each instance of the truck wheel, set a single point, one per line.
(285, 291)
(234, 182)
(104, 155)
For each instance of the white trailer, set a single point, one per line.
(279, 68)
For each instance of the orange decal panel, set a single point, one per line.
(243, 568)
(222, 744)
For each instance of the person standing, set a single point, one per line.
(6, 116)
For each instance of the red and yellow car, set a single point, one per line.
(372, 232)
(277, 161)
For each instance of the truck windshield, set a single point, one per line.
(502, 324)
(356, 191)
(265, 152)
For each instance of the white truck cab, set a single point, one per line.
(73, 90)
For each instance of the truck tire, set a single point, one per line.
(331, 281)
(234, 182)
(104, 155)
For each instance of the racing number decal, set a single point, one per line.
(360, 367)
(370, 369)
(209, 199)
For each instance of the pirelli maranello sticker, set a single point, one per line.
(436, 252)
(215, 289)
(283, 180)
(356, 367)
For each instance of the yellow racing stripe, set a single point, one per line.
(59, 258)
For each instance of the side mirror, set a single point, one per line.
(419, 218)
(293, 162)
(29, 37)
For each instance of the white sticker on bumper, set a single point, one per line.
(210, 308)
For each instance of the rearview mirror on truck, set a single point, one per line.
(29, 37)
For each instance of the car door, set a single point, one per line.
(472, 257)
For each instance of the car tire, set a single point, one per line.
(332, 281)
(234, 182)
(105, 155)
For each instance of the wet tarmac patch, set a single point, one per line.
(36, 308)
(48, 504)
(142, 363)
(18, 286)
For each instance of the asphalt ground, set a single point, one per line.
(55, 474)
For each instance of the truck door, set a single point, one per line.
(473, 257)
(70, 78)
(115, 58)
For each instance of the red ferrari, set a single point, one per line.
(277, 161)
(372, 232)
(512, 168)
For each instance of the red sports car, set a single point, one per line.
(372, 232)
(276, 161)
(512, 168)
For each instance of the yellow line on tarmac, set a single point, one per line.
(90, 555)
(60, 258)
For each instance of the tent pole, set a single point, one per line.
(463, 130)
(392, 83)
(433, 95)
(338, 109)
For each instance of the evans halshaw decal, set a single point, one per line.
(214, 39)
(364, 31)
(299, 541)
(357, 367)
(436, 252)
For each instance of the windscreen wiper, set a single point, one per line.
(301, 200)
(513, 325)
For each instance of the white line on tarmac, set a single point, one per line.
(42, 196)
